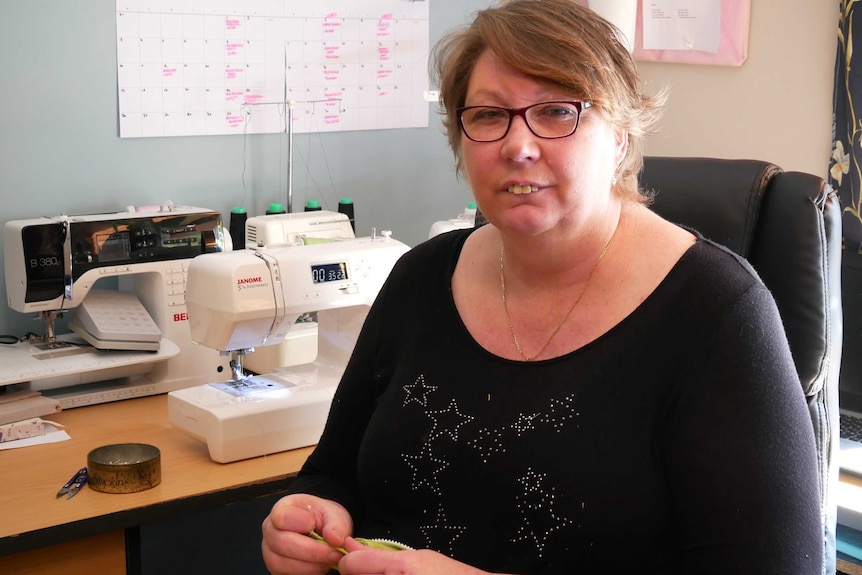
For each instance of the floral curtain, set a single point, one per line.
(845, 176)
(845, 173)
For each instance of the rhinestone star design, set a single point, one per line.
(418, 391)
(440, 525)
(448, 421)
(537, 505)
(425, 468)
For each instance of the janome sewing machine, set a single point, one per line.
(241, 300)
(130, 340)
(293, 229)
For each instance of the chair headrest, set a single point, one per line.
(684, 191)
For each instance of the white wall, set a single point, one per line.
(777, 106)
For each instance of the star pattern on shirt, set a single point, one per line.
(425, 469)
(536, 502)
(418, 391)
(491, 441)
(488, 442)
(524, 423)
(537, 505)
(448, 421)
(561, 411)
(441, 530)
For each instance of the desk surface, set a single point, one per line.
(31, 476)
(849, 498)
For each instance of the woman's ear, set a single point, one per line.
(622, 139)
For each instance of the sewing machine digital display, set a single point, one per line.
(334, 272)
(113, 247)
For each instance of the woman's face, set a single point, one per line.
(527, 184)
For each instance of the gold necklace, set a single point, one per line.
(565, 317)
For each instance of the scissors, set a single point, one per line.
(74, 484)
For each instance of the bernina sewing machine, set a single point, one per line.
(241, 300)
(129, 340)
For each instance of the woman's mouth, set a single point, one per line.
(522, 189)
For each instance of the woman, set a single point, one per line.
(577, 386)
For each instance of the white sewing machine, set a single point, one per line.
(293, 229)
(130, 340)
(249, 298)
(296, 228)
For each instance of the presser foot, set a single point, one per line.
(49, 340)
(44, 343)
(239, 374)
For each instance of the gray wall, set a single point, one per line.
(60, 151)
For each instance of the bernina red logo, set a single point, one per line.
(246, 281)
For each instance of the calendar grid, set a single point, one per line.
(229, 67)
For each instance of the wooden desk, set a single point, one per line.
(88, 530)
(849, 496)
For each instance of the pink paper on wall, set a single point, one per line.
(732, 44)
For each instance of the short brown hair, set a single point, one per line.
(559, 44)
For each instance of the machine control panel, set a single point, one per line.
(47, 255)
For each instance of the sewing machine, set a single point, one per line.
(296, 228)
(293, 229)
(241, 300)
(129, 340)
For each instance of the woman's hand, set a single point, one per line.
(362, 560)
(286, 546)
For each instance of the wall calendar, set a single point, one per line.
(211, 67)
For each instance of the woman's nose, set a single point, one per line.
(520, 143)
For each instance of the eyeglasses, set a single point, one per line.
(548, 120)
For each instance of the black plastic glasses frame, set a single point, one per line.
(579, 105)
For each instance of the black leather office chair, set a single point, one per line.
(788, 226)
